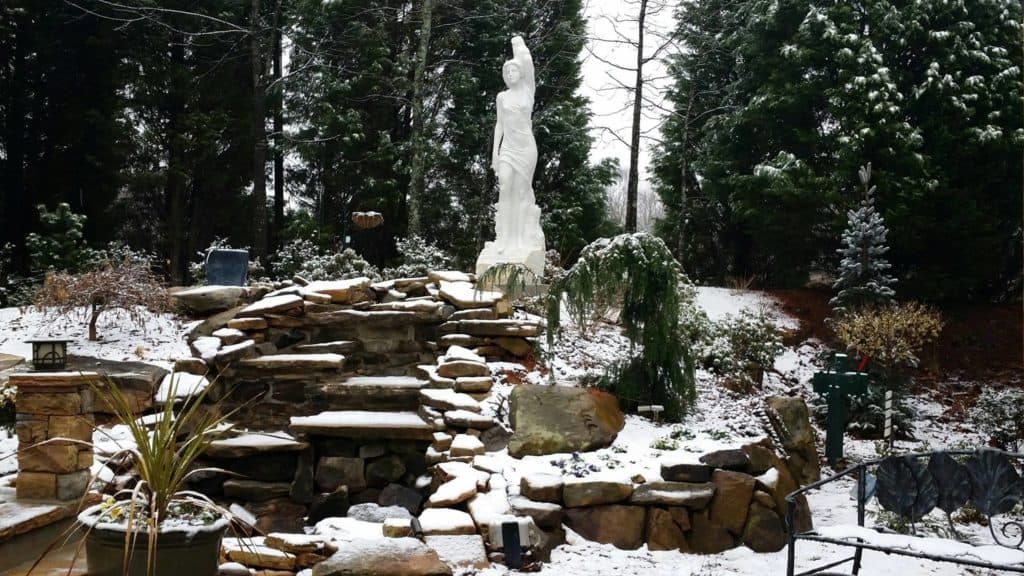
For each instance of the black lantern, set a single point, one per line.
(49, 353)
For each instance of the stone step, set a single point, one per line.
(375, 393)
(278, 364)
(364, 424)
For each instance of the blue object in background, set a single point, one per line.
(227, 267)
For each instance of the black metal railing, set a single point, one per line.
(986, 479)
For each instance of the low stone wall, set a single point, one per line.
(54, 426)
(729, 498)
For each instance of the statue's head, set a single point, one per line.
(511, 73)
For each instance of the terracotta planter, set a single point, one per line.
(195, 553)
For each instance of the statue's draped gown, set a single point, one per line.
(518, 147)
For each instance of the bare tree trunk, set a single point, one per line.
(632, 184)
(94, 316)
(416, 180)
(684, 162)
(259, 128)
(175, 186)
(276, 237)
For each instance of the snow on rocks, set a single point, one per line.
(459, 489)
(255, 553)
(542, 487)
(271, 305)
(465, 552)
(206, 347)
(464, 295)
(445, 521)
(384, 557)
(466, 445)
(340, 291)
(180, 386)
(446, 399)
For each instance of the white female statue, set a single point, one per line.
(518, 234)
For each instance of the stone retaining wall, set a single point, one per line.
(729, 498)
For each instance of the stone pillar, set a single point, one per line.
(54, 407)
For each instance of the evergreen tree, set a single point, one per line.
(928, 92)
(863, 272)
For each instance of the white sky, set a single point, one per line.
(611, 104)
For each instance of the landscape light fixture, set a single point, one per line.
(49, 353)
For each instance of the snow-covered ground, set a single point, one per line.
(160, 340)
(722, 419)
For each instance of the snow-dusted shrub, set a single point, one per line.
(128, 286)
(739, 347)
(417, 258)
(999, 413)
(302, 257)
(639, 274)
(891, 336)
(197, 268)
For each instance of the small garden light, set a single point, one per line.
(49, 353)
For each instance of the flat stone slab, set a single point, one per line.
(8, 361)
(291, 363)
(254, 443)
(460, 552)
(364, 424)
(340, 291)
(494, 328)
(691, 495)
(448, 399)
(384, 382)
(271, 305)
(336, 347)
(17, 518)
(464, 295)
(445, 521)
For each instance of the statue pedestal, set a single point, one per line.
(530, 256)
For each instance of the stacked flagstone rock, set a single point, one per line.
(54, 427)
(348, 369)
(294, 348)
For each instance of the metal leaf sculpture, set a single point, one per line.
(995, 485)
(906, 488)
(953, 483)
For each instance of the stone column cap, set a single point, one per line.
(52, 379)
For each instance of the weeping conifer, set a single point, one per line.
(638, 271)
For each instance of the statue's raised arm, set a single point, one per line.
(521, 54)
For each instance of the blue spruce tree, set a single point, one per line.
(863, 271)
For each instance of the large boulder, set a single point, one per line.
(763, 531)
(792, 421)
(555, 419)
(383, 557)
(621, 526)
(664, 533)
(733, 493)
